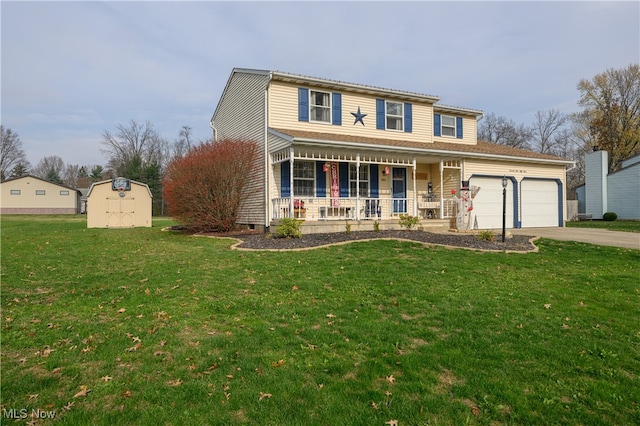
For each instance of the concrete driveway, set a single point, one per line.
(601, 237)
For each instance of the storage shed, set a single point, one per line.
(119, 203)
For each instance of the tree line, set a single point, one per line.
(609, 119)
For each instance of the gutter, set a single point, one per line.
(442, 153)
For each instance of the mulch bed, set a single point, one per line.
(253, 240)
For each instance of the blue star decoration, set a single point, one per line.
(359, 116)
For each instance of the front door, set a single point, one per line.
(399, 189)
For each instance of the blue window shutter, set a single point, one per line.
(436, 125)
(408, 118)
(321, 180)
(336, 106)
(303, 104)
(459, 127)
(380, 114)
(373, 180)
(285, 187)
(344, 179)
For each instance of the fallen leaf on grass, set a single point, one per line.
(127, 394)
(391, 423)
(264, 395)
(330, 316)
(547, 305)
(106, 378)
(83, 391)
(134, 347)
(174, 383)
(68, 406)
(122, 310)
(279, 363)
(391, 379)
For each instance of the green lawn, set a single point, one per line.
(617, 225)
(144, 326)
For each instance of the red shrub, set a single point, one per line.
(204, 189)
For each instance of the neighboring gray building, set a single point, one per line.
(617, 192)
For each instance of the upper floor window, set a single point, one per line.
(320, 106)
(303, 178)
(40, 192)
(64, 192)
(394, 116)
(358, 185)
(324, 107)
(15, 192)
(448, 126)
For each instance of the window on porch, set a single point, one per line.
(363, 189)
(304, 178)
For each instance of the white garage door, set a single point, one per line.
(487, 205)
(540, 203)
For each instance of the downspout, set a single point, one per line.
(267, 164)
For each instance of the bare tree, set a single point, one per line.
(131, 146)
(503, 131)
(70, 175)
(183, 143)
(50, 168)
(11, 152)
(548, 131)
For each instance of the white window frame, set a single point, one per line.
(41, 192)
(399, 117)
(64, 192)
(326, 109)
(450, 128)
(364, 190)
(16, 192)
(301, 178)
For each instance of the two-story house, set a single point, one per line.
(332, 150)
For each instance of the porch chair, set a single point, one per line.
(372, 209)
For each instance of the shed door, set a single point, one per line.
(487, 205)
(540, 203)
(120, 212)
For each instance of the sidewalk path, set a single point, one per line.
(601, 237)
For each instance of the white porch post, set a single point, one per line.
(441, 190)
(415, 190)
(291, 182)
(357, 186)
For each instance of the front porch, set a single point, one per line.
(324, 187)
(362, 209)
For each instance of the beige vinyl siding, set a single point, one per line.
(27, 202)
(283, 114)
(515, 169)
(241, 114)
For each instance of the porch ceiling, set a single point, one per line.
(481, 149)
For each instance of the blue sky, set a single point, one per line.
(71, 70)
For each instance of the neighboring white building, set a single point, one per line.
(32, 195)
(617, 192)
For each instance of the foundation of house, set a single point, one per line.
(317, 227)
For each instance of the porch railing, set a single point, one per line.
(310, 208)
